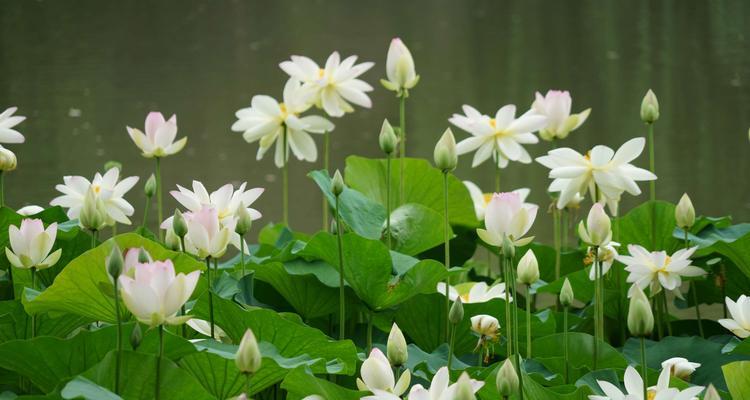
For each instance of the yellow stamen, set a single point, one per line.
(321, 72)
(493, 123)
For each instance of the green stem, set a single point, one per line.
(451, 347)
(285, 180)
(342, 310)
(182, 309)
(93, 238)
(388, 200)
(118, 361)
(667, 321)
(145, 211)
(508, 326)
(247, 384)
(497, 178)
(158, 362)
(210, 295)
(447, 247)
(530, 300)
(2, 189)
(326, 158)
(33, 316)
(657, 307)
(556, 233)
(369, 331)
(565, 342)
(516, 350)
(10, 282)
(651, 161)
(158, 198)
(564, 228)
(694, 289)
(644, 368)
(602, 331)
(480, 361)
(242, 255)
(402, 143)
(597, 305)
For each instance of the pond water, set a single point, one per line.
(82, 71)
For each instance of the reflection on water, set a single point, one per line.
(82, 71)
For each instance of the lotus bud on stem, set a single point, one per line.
(337, 187)
(566, 299)
(114, 269)
(446, 159)
(248, 358)
(455, 316)
(507, 380)
(388, 142)
(396, 348)
(641, 324)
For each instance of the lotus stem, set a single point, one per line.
(158, 198)
(369, 331)
(695, 295)
(530, 300)
(667, 322)
(402, 143)
(158, 362)
(651, 161)
(508, 327)
(556, 232)
(342, 307)
(565, 342)
(210, 295)
(33, 316)
(644, 368)
(118, 355)
(447, 247)
(597, 304)
(480, 361)
(451, 347)
(326, 161)
(515, 331)
(563, 229)
(242, 255)
(182, 308)
(2, 189)
(247, 384)
(497, 178)
(145, 212)
(285, 180)
(388, 200)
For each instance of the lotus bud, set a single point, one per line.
(150, 187)
(711, 393)
(179, 225)
(566, 294)
(93, 213)
(399, 68)
(649, 108)
(396, 348)
(8, 160)
(136, 336)
(143, 256)
(507, 380)
(640, 316)
(244, 221)
(528, 268)
(509, 249)
(445, 155)
(248, 356)
(684, 213)
(115, 263)
(464, 389)
(456, 313)
(112, 164)
(172, 241)
(598, 228)
(337, 184)
(387, 138)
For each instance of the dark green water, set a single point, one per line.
(205, 59)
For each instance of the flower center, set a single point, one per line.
(321, 73)
(97, 189)
(651, 395)
(487, 197)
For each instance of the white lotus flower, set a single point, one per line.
(7, 122)
(30, 245)
(680, 367)
(225, 200)
(269, 121)
(154, 296)
(606, 256)
(501, 137)
(739, 324)
(377, 375)
(481, 199)
(658, 270)
(486, 326)
(440, 388)
(204, 328)
(399, 68)
(158, 141)
(555, 105)
(29, 210)
(597, 230)
(334, 86)
(602, 167)
(206, 235)
(507, 216)
(106, 187)
(634, 389)
(479, 292)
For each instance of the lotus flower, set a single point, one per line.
(377, 375)
(739, 324)
(634, 389)
(680, 367)
(486, 326)
(480, 292)
(225, 200)
(658, 270)
(159, 138)
(106, 187)
(481, 199)
(597, 231)
(334, 86)
(7, 122)
(507, 216)
(440, 388)
(606, 257)
(206, 236)
(155, 294)
(399, 68)
(29, 210)
(30, 245)
(555, 105)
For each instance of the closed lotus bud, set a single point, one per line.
(566, 294)
(507, 379)
(684, 213)
(248, 357)
(396, 348)
(649, 108)
(528, 268)
(337, 184)
(509, 249)
(136, 336)
(112, 164)
(456, 313)
(93, 213)
(399, 68)
(150, 187)
(387, 138)
(445, 155)
(711, 393)
(172, 241)
(179, 225)
(8, 160)
(640, 316)
(143, 256)
(598, 228)
(464, 389)
(244, 220)
(115, 263)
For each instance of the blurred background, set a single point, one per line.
(81, 71)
